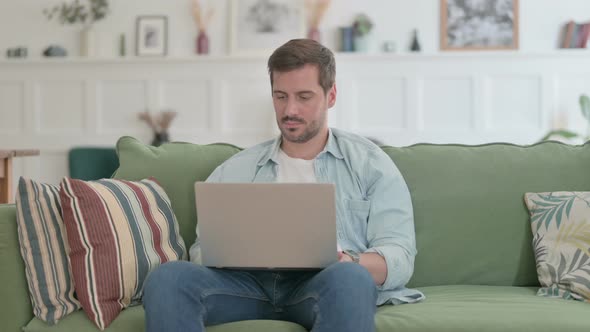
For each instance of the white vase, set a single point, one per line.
(88, 42)
(361, 43)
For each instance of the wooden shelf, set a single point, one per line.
(560, 53)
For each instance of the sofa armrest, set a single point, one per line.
(15, 305)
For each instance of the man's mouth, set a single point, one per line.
(292, 122)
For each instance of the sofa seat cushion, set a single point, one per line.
(483, 309)
(132, 320)
(446, 308)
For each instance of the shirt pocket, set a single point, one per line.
(357, 216)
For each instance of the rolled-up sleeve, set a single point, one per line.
(390, 229)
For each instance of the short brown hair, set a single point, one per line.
(298, 52)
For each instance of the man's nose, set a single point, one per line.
(291, 108)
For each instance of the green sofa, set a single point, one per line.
(475, 260)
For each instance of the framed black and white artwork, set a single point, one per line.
(479, 25)
(260, 26)
(151, 36)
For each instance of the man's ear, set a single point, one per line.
(332, 96)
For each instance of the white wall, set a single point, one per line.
(398, 99)
(22, 23)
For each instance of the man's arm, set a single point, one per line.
(390, 230)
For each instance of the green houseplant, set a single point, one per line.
(86, 14)
(584, 102)
(362, 27)
(76, 12)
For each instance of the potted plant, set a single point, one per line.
(85, 14)
(565, 134)
(362, 27)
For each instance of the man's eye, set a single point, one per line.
(305, 97)
(280, 97)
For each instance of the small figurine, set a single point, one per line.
(415, 46)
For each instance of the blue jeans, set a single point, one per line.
(182, 296)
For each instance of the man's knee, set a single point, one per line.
(169, 278)
(353, 278)
(165, 274)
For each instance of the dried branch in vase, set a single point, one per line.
(316, 9)
(202, 20)
(159, 123)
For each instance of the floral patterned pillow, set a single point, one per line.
(560, 222)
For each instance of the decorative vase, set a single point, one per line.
(202, 42)
(160, 138)
(88, 40)
(361, 43)
(314, 34)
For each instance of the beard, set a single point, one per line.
(310, 130)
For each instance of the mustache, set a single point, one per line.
(292, 118)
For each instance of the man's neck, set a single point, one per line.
(308, 150)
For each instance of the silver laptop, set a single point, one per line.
(267, 225)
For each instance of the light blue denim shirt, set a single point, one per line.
(373, 205)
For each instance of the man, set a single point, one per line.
(374, 220)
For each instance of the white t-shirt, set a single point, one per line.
(295, 169)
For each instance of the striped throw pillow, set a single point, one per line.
(44, 250)
(118, 231)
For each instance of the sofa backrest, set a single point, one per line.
(472, 225)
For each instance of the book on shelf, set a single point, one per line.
(583, 40)
(575, 35)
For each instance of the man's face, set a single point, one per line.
(300, 104)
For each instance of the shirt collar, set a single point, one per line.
(272, 153)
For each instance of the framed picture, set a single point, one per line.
(151, 36)
(260, 26)
(479, 25)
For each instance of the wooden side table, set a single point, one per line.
(6, 157)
